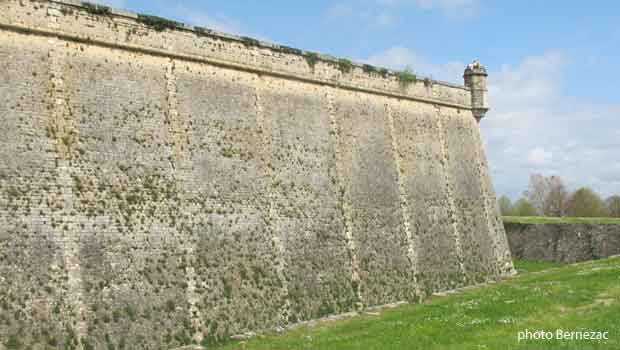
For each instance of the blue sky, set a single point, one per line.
(554, 66)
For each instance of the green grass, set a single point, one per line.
(524, 266)
(576, 297)
(556, 220)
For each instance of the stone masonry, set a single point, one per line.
(162, 185)
(563, 243)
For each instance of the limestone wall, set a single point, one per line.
(564, 243)
(159, 188)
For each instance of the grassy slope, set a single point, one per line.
(554, 220)
(524, 266)
(573, 297)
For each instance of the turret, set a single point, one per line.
(476, 80)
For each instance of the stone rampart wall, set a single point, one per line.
(159, 187)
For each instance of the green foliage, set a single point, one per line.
(369, 69)
(406, 78)
(326, 309)
(131, 312)
(505, 205)
(66, 140)
(116, 315)
(86, 345)
(290, 50)
(524, 266)
(13, 342)
(612, 206)
(202, 31)
(52, 341)
(345, 66)
(247, 41)
(210, 341)
(312, 59)
(157, 23)
(585, 203)
(523, 207)
(96, 9)
(227, 289)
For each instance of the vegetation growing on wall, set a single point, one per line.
(96, 9)
(345, 66)
(290, 50)
(311, 58)
(157, 23)
(202, 31)
(247, 41)
(370, 69)
(406, 78)
(491, 314)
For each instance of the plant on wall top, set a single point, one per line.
(406, 77)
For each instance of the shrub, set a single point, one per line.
(406, 78)
(95, 9)
(157, 23)
(344, 65)
(312, 59)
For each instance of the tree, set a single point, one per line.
(523, 207)
(505, 206)
(613, 206)
(547, 194)
(586, 203)
(556, 200)
(537, 192)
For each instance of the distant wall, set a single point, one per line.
(566, 243)
(160, 187)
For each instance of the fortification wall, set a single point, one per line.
(160, 187)
(563, 243)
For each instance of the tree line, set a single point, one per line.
(548, 196)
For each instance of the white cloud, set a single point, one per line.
(385, 13)
(399, 57)
(384, 19)
(377, 18)
(538, 156)
(533, 125)
(201, 17)
(454, 9)
(337, 11)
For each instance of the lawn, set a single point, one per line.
(524, 266)
(580, 297)
(556, 220)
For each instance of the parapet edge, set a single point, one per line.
(338, 72)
